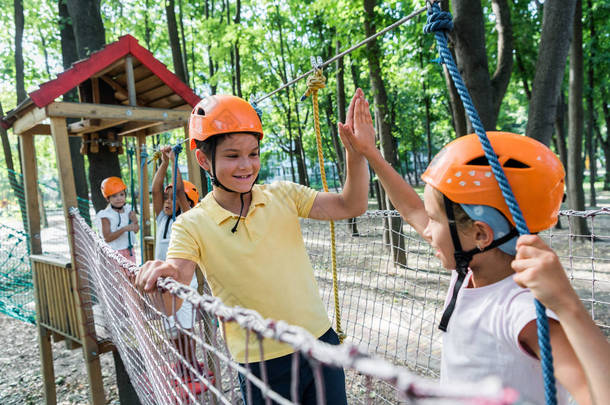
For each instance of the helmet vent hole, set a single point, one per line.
(515, 164)
(200, 111)
(479, 161)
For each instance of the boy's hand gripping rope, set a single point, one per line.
(438, 22)
(315, 82)
(177, 149)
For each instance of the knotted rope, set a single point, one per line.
(438, 22)
(315, 82)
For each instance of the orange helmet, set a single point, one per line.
(222, 114)
(112, 185)
(462, 173)
(189, 189)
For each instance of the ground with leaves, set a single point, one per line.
(21, 380)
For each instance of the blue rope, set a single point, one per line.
(130, 153)
(438, 22)
(177, 149)
(143, 156)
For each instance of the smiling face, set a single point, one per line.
(117, 200)
(237, 161)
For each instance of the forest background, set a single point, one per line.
(534, 67)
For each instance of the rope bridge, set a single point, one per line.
(199, 369)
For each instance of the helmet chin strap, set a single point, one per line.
(463, 259)
(117, 208)
(217, 183)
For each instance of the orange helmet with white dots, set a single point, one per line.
(462, 173)
(111, 186)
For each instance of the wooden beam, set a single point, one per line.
(30, 179)
(38, 129)
(157, 129)
(29, 120)
(120, 89)
(92, 125)
(131, 84)
(88, 110)
(134, 126)
(110, 68)
(95, 89)
(59, 131)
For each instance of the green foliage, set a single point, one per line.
(307, 28)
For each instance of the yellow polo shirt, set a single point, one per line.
(263, 266)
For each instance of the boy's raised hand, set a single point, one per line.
(538, 268)
(346, 129)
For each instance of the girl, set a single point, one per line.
(489, 321)
(117, 221)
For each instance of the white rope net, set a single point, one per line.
(391, 295)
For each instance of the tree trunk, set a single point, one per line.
(89, 36)
(426, 103)
(590, 137)
(388, 148)
(88, 26)
(605, 144)
(576, 195)
(560, 130)
(15, 181)
(19, 74)
(337, 145)
(147, 30)
(237, 21)
(557, 26)
(183, 42)
(211, 69)
(174, 40)
(471, 56)
(341, 105)
(69, 56)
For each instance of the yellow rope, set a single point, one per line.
(315, 82)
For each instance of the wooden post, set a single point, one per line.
(59, 131)
(145, 192)
(193, 166)
(30, 180)
(131, 84)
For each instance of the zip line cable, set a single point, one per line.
(349, 50)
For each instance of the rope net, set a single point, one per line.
(16, 288)
(170, 364)
(391, 292)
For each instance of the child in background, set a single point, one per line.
(489, 320)
(187, 197)
(117, 221)
(247, 239)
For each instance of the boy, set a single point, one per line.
(247, 239)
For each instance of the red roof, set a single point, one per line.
(83, 70)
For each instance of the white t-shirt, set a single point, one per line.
(185, 313)
(117, 221)
(164, 230)
(482, 339)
